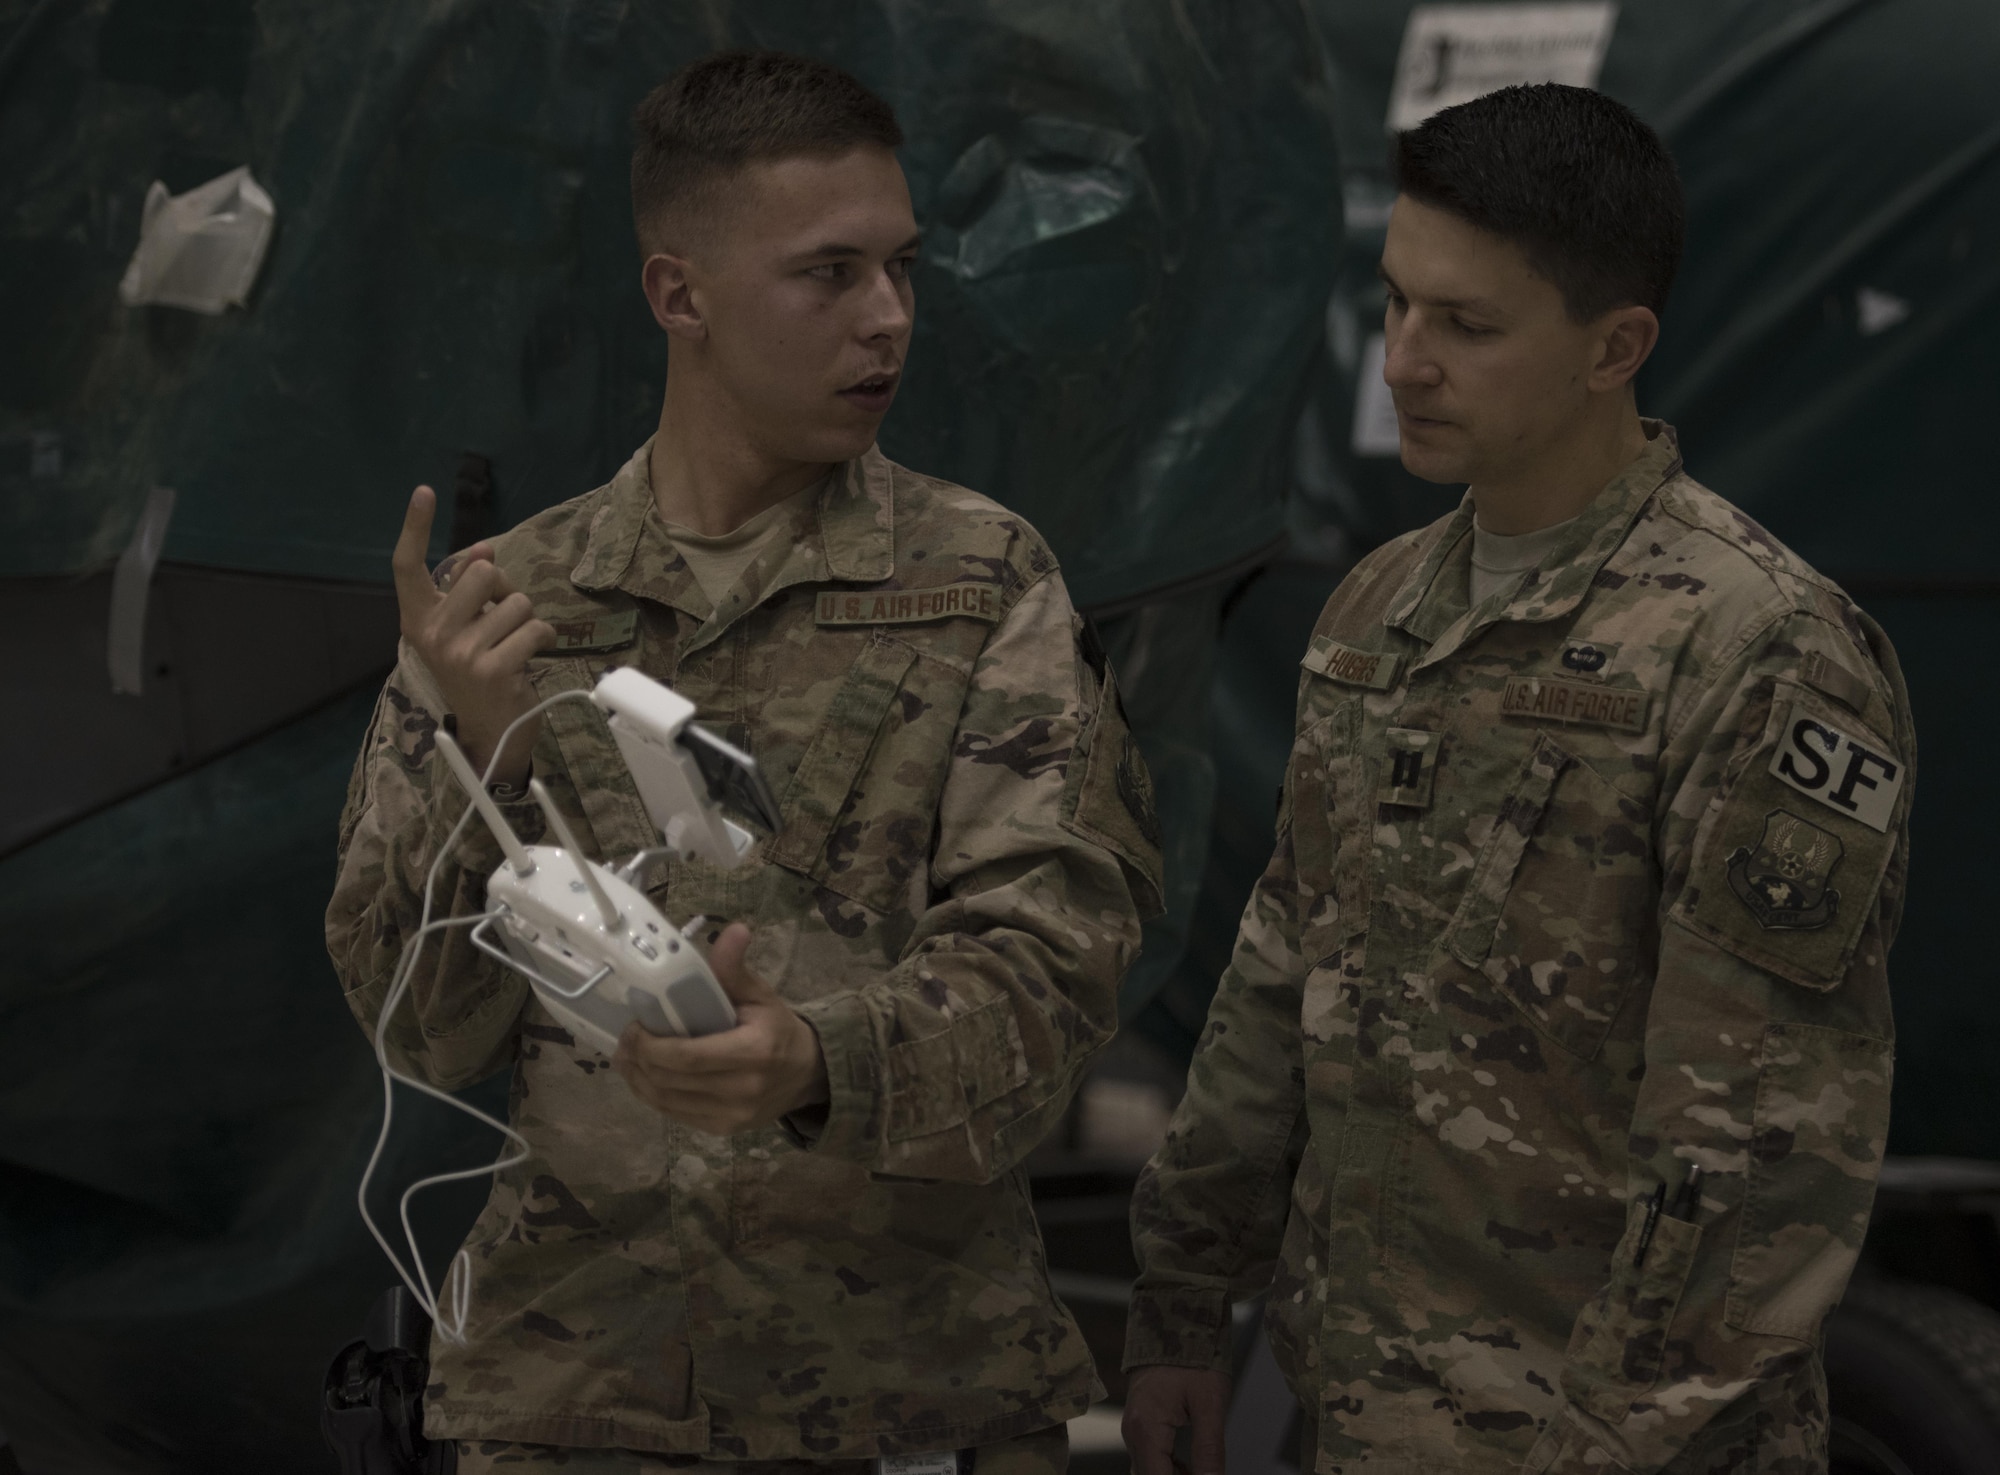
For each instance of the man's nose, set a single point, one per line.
(888, 312)
(1407, 362)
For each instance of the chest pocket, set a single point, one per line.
(1557, 914)
(860, 809)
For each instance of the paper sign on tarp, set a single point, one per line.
(200, 250)
(1454, 53)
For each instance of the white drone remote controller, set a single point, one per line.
(596, 951)
(681, 769)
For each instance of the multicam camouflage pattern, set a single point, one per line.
(950, 901)
(1044, 1452)
(1496, 987)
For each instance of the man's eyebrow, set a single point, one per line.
(1477, 305)
(840, 250)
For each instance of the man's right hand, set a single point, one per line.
(475, 637)
(1159, 1401)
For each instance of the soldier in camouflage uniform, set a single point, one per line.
(738, 1253)
(1579, 888)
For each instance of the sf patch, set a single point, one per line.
(1849, 776)
(1785, 878)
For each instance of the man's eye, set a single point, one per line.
(831, 271)
(899, 266)
(1472, 330)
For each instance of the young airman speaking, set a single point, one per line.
(804, 1240)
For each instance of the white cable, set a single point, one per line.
(458, 1280)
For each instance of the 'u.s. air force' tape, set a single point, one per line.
(1847, 776)
(968, 599)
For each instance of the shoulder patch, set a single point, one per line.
(1787, 867)
(1108, 799)
(1329, 658)
(967, 599)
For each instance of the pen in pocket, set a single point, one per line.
(1653, 1203)
(1687, 1203)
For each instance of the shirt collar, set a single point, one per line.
(1433, 597)
(855, 531)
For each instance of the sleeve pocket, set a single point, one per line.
(1779, 878)
(1108, 799)
(1816, 1146)
(936, 1083)
(1620, 1340)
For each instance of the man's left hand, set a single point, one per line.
(767, 1067)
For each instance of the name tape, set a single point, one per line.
(1337, 662)
(944, 1463)
(909, 606)
(605, 632)
(1847, 776)
(1558, 699)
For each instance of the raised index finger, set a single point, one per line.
(414, 590)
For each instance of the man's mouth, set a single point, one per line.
(874, 393)
(1421, 422)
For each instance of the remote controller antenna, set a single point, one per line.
(605, 906)
(517, 853)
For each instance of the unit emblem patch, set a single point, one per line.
(1783, 879)
(1135, 787)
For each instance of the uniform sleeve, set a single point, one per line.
(963, 1056)
(1209, 1211)
(1768, 1051)
(457, 1024)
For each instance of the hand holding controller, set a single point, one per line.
(597, 953)
(769, 1066)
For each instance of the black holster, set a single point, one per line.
(371, 1413)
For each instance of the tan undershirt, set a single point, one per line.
(718, 563)
(1499, 561)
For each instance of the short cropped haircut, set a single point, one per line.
(1585, 189)
(714, 116)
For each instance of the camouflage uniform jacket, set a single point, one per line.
(1571, 891)
(950, 902)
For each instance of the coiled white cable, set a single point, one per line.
(448, 1320)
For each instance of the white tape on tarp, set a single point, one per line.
(201, 250)
(1376, 432)
(131, 582)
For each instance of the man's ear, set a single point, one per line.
(1626, 336)
(670, 293)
